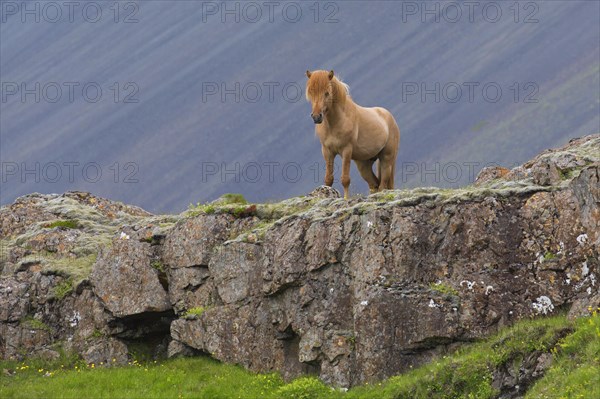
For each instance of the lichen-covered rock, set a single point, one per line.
(365, 291)
(49, 245)
(188, 249)
(34, 208)
(490, 173)
(191, 242)
(324, 192)
(353, 291)
(108, 351)
(125, 281)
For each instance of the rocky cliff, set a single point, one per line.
(353, 291)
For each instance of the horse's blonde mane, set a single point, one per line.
(319, 82)
(344, 85)
(341, 90)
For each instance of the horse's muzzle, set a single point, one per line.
(317, 118)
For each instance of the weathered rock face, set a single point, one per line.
(353, 291)
(49, 246)
(125, 281)
(187, 252)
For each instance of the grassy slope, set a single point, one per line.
(574, 373)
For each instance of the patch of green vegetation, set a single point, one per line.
(234, 204)
(65, 224)
(575, 370)
(209, 209)
(263, 225)
(304, 388)
(66, 360)
(158, 265)
(199, 377)
(388, 197)
(34, 324)
(77, 264)
(77, 268)
(468, 373)
(365, 208)
(276, 211)
(63, 289)
(443, 289)
(549, 256)
(200, 209)
(261, 228)
(352, 341)
(141, 352)
(255, 233)
(194, 312)
(97, 334)
(241, 211)
(5, 245)
(232, 198)
(567, 174)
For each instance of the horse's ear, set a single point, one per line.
(308, 73)
(331, 74)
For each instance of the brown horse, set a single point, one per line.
(354, 132)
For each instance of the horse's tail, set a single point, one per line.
(379, 170)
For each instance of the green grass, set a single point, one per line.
(97, 334)
(221, 205)
(237, 210)
(63, 289)
(443, 289)
(567, 174)
(233, 198)
(200, 209)
(34, 324)
(65, 224)
(77, 268)
(575, 372)
(468, 372)
(385, 196)
(158, 265)
(179, 378)
(197, 312)
(575, 347)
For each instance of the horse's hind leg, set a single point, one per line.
(386, 164)
(366, 171)
(389, 169)
(387, 160)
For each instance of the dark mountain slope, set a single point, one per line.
(177, 130)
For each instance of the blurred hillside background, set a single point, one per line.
(164, 103)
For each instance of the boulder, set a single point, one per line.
(125, 281)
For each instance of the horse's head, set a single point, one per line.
(319, 91)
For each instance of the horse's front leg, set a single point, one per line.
(329, 158)
(346, 158)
